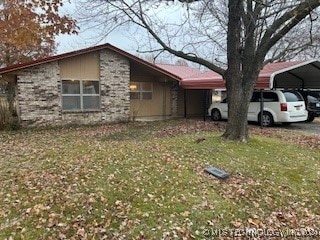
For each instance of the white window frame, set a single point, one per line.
(81, 95)
(142, 91)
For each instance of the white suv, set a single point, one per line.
(280, 106)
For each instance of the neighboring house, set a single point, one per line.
(98, 85)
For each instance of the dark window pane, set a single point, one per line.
(135, 95)
(90, 87)
(255, 97)
(91, 102)
(270, 97)
(71, 103)
(312, 99)
(70, 87)
(146, 95)
(267, 97)
(314, 94)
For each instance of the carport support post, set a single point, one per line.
(204, 104)
(261, 108)
(185, 102)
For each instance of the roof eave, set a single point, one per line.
(18, 67)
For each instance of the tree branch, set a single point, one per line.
(289, 19)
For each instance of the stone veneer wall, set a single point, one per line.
(174, 99)
(114, 89)
(39, 94)
(115, 92)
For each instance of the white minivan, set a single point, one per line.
(280, 106)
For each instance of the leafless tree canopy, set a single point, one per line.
(198, 30)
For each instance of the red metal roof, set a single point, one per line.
(270, 68)
(271, 71)
(203, 80)
(180, 71)
(192, 78)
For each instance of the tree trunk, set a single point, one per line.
(237, 124)
(239, 97)
(240, 76)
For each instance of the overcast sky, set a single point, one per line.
(67, 43)
(123, 39)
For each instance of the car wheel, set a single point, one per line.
(215, 115)
(267, 119)
(310, 117)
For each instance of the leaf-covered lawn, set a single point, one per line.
(146, 181)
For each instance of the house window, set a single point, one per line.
(141, 90)
(80, 95)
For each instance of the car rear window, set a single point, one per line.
(292, 96)
(312, 99)
(314, 94)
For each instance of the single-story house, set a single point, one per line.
(97, 85)
(106, 84)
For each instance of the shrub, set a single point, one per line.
(4, 113)
(8, 120)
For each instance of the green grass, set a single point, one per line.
(146, 181)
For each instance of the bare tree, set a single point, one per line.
(181, 62)
(244, 34)
(154, 59)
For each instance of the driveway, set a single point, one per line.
(313, 127)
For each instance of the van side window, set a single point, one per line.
(270, 97)
(267, 97)
(255, 97)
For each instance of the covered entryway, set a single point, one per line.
(193, 101)
(151, 93)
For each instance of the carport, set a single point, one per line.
(205, 82)
(303, 75)
(282, 75)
